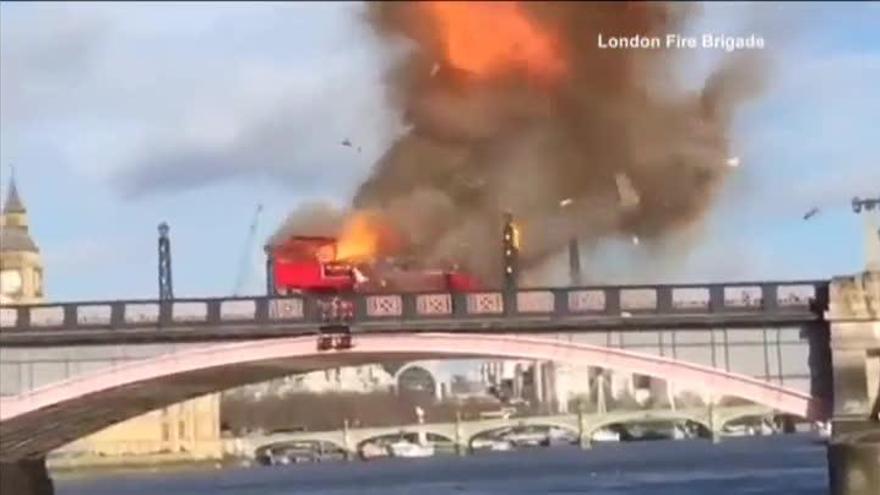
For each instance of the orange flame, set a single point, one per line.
(485, 38)
(360, 237)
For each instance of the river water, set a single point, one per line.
(782, 465)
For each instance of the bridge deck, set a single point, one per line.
(623, 308)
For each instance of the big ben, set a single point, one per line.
(21, 267)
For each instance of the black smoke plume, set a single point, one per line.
(617, 147)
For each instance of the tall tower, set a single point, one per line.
(511, 252)
(21, 268)
(166, 289)
(872, 232)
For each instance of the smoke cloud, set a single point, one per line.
(616, 146)
(309, 219)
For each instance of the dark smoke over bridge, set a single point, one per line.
(512, 106)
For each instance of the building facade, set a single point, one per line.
(351, 379)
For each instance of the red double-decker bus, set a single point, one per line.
(309, 264)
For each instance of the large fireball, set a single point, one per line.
(486, 38)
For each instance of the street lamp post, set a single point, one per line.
(574, 255)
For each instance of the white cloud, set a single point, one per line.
(162, 97)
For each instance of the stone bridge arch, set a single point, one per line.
(43, 419)
(444, 434)
(741, 413)
(626, 418)
(263, 448)
(479, 430)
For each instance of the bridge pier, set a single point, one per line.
(350, 452)
(25, 477)
(854, 464)
(854, 450)
(585, 442)
(714, 427)
(461, 447)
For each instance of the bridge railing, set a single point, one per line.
(552, 302)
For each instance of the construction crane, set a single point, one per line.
(244, 265)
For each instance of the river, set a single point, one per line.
(782, 465)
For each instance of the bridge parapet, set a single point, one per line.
(855, 297)
(804, 298)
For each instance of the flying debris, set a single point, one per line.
(346, 142)
(629, 197)
(636, 240)
(435, 69)
(565, 202)
(810, 214)
(733, 162)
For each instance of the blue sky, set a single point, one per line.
(118, 116)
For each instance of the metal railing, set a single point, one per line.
(806, 298)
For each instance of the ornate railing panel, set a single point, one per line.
(485, 303)
(189, 311)
(638, 299)
(8, 317)
(534, 301)
(583, 301)
(379, 306)
(691, 298)
(795, 295)
(743, 297)
(48, 316)
(433, 304)
(142, 313)
(93, 314)
(238, 310)
(286, 309)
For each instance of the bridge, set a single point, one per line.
(462, 434)
(623, 308)
(149, 354)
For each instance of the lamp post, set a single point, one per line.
(510, 246)
(574, 254)
(166, 291)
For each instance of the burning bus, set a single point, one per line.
(333, 267)
(312, 264)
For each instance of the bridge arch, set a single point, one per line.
(431, 433)
(518, 423)
(46, 418)
(262, 450)
(723, 421)
(646, 416)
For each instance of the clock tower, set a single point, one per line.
(21, 268)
